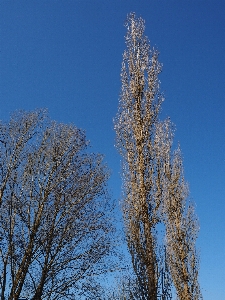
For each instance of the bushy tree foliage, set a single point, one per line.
(55, 226)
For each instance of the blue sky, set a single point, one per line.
(66, 56)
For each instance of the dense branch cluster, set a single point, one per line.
(54, 227)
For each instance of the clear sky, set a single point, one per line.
(66, 56)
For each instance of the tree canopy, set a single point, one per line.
(55, 225)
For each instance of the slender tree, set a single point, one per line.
(181, 233)
(149, 163)
(55, 229)
(138, 140)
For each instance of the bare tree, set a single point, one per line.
(145, 144)
(138, 141)
(55, 225)
(181, 233)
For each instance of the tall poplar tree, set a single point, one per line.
(145, 144)
(181, 232)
